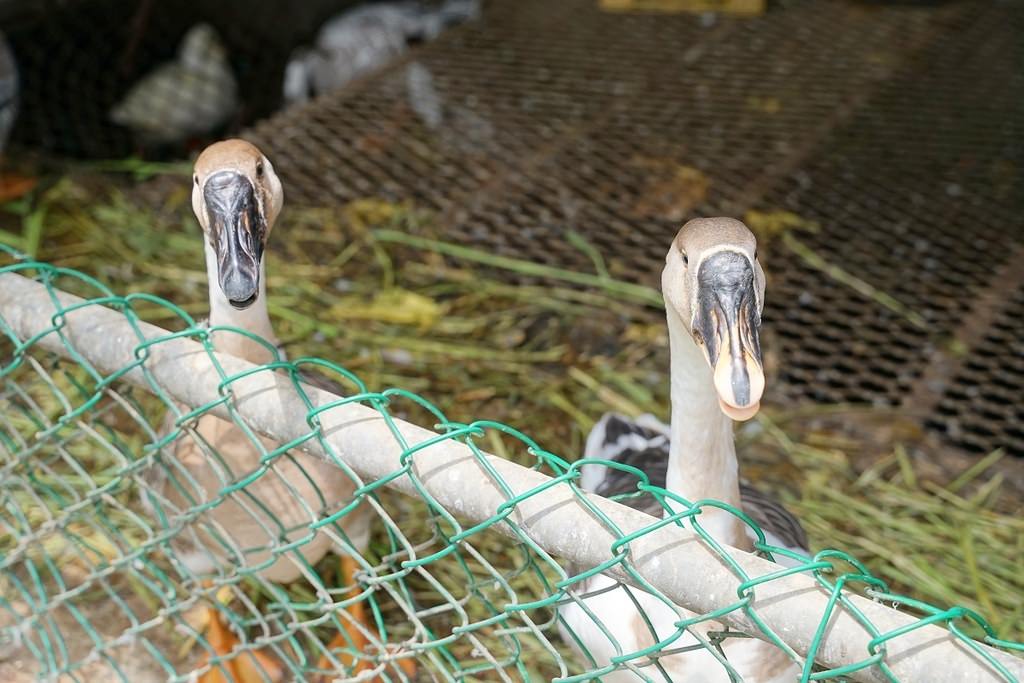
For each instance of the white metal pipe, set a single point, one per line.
(673, 560)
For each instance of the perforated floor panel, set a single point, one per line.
(895, 130)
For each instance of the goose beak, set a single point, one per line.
(237, 226)
(727, 322)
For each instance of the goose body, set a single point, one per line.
(12, 185)
(366, 38)
(644, 443)
(8, 92)
(276, 508)
(713, 288)
(192, 95)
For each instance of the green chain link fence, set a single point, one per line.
(91, 588)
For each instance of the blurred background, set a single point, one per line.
(480, 195)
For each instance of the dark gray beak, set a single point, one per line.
(727, 321)
(237, 229)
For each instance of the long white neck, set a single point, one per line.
(702, 453)
(253, 319)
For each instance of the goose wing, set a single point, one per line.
(644, 444)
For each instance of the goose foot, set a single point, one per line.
(250, 666)
(352, 638)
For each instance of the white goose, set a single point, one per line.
(714, 292)
(190, 96)
(237, 198)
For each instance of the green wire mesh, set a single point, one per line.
(92, 587)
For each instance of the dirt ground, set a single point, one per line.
(129, 661)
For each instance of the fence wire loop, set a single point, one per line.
(82, 518)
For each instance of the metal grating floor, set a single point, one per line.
(897, 130)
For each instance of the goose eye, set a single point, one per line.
(195, 179)
(259, 169)
(686, 259)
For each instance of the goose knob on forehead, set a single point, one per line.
(237, 196)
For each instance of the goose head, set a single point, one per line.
(714, 283)
(236, 197)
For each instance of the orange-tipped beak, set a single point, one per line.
(731, 404)
(727, 322)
